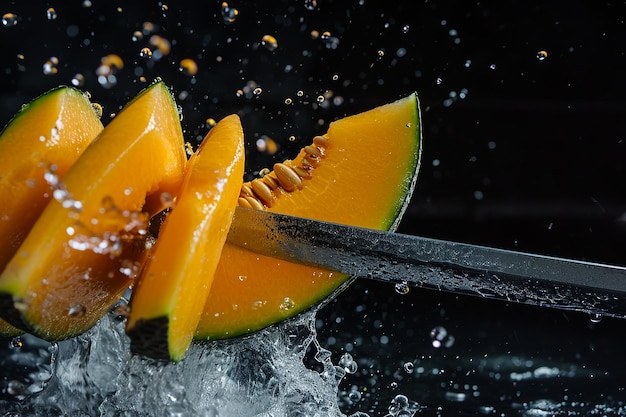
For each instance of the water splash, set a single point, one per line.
(259, 375)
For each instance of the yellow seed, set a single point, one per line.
(243, 202)
(246, 190)
(287, 177)
(302, 172)
(320, 141)
(254, 203)
(310, 162)
(312, 150)
(271, 182)
(262, 191)
(112, 60)
(188, 66)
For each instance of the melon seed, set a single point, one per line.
(254, 203)
(287, 177)
(262, 191)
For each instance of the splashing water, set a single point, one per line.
(259, 375)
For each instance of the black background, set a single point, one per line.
(532, 158)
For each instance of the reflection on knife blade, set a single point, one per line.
(519, 277)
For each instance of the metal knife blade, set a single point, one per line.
(566, 284)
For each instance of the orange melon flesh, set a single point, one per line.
(46, 135)
(364, 177)
(85, 248)
(167, 302)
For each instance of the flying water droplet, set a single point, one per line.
(50, 66)
(9, 20)
(51, 14)
(542, 55)
(402, 288)
(145, 53)
(348, 363)
(229, 14)
(269, 42)
(441, 338)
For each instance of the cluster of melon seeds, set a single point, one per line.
(286, 177)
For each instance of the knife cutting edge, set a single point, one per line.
(597, 289)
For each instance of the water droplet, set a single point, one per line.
(409, 367)
(17, 342)
(310, 4)
(78, 80)
(441, 338)
(402, 288)
(229, 14)
(50, 66)
(257, 91)
(9, 20)
(77, 310)
(145, 53)
(595, 318)
(15, 388)
(348, 363)
(269, 42)
(492, 66)
(97, 107)
(137, 36)
(405, 29)
(287, 305)
(86, 4)
(542, 55)
(288, 101)
(51, 14)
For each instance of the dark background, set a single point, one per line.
(519, 152)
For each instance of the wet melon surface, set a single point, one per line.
(90, 242)
(44, 139)
(84, 250)
(361, 173)
(167, 302)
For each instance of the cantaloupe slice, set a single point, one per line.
(45, 137)
(169, 298)
(361, 172)
(85, 248)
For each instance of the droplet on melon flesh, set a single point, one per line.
(167, 302)
(37, 147)
(72, 265)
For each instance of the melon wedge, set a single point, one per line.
(169, 298)
(45, 137)
(361, 172)
(85, 248)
